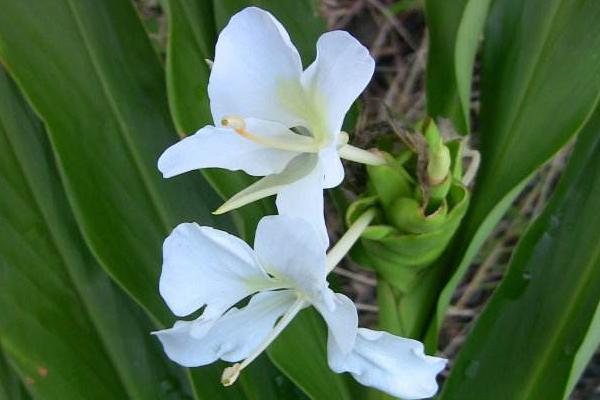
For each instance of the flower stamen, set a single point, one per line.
(289, 142)
(237, 124)
(230, 374)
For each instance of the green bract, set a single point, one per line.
(417, 217)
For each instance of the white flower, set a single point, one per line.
(286, 272)
(275, 120)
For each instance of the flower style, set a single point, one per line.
(286, 272)
(275, 120)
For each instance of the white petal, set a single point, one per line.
(342, 319)
(296, 170)
(392, 364)
(333, 170)
(341, 71)
(303, 198)
(291, 250)
(256, 70)
(232, 337)
(212, 147)
(206, 266)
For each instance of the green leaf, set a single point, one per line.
(540, 327)
(262, 381)
(90, 72)
(301, 352)
(533, 102)
(454, 33)
(192, 37)
(68, 329)
(11, 387)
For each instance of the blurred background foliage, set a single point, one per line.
(91, 92)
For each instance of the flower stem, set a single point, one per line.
(343, 246)
(230, 374)
(358, 155)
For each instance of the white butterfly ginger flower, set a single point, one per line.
(286, 272)
(275, 120)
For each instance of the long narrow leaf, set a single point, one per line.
(540, 327)
(68, 329)
(11, 387)
(534, 99)
(90, 72)
(455, 29)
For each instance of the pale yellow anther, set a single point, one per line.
(230, 374)
(233, 122)
(342, 139)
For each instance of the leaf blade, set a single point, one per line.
(125, 127)
(556, 334)
(92, 75)
(73, 331)
(454, 32)
(10, 383)
(518, 94)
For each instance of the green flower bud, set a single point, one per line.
(438, 165)
(439, 159)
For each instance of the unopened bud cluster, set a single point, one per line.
(421, 200)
